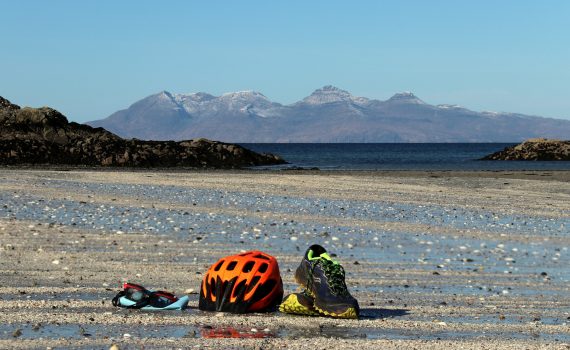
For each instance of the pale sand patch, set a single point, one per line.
(92, 263)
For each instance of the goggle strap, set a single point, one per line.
(116, 298)
(167, 295)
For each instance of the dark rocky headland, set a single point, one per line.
(534, 149)
(45, 136)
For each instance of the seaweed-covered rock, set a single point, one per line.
(44, 136)
(534, 149)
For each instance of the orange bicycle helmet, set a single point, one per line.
(248, 282)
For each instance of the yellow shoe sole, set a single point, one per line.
(349, 313)
(291, 305)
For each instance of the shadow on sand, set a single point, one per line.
(372, 314)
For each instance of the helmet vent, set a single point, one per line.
(219, 265)
(248, 266)
(264, 290)
(231, 266)
(263, 268)
(252, 284)
(261, 256)
(239, 290)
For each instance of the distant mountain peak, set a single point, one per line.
(329, 94)
(405, 97)
(195, 97)
(404, 94)
(331, 88)
(165, 94)
(246, 94)
(163, 99)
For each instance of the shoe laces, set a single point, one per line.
(335, 276)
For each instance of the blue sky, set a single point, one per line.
(89, 59)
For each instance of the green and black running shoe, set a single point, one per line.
(324, 280)
(299, 304)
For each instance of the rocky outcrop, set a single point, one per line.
(534, 149)
(44, 136)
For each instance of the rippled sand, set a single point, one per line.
(436, 259)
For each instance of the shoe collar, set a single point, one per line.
(323, 256)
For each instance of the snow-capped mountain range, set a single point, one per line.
(329, 114)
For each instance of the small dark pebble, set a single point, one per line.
(356, 263)
(17, 333)
(435, 273)
(543, 274)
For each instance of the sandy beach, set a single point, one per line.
(437, 260)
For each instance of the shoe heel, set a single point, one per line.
(301, 277)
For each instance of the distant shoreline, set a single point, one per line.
(545, 175)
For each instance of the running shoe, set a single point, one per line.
(299, 304)
(324, 280)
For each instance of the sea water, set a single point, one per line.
(398, 156)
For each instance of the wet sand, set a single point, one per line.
(472, 260)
